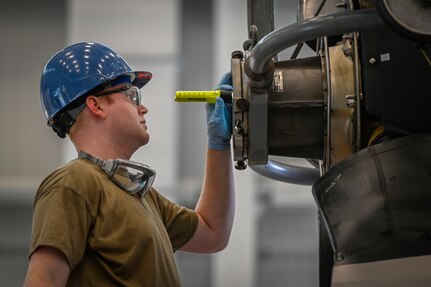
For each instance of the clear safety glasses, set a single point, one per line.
(133, 177)
(132, 92)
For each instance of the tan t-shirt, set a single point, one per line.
(109, 237)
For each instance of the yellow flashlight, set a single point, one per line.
(203, 96)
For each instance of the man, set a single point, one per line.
(96, 224)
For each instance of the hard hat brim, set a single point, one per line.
(141, 78)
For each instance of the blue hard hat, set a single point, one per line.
(78, 69)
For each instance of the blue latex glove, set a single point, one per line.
(219, 118)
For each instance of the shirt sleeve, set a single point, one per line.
(61, 219)
(180, 222)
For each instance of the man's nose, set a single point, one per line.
(142, 109)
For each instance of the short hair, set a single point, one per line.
(81, 118)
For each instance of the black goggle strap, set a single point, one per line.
(109, 166)
(122, 89)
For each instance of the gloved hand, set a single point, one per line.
(219, 118)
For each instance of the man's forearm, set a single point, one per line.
(217, 202)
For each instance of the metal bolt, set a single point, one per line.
(238, 128)
(242, 104)
(350, 101)
(348, 36)
(347, 51)
(341, 4)
(237, 54)
(340, 256)
(372, 61)
(240, 165)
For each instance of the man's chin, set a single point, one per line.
(146, 139)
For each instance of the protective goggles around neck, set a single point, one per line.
(133, 177)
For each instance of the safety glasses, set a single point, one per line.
(132, 92)
(133, 177)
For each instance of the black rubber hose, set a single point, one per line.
(310, 29)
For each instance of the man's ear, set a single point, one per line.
(94, 105)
